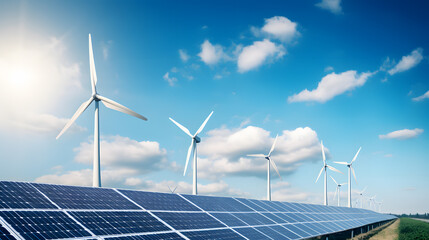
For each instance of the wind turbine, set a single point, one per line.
(96, 176)
(361, 197)
(193, 148)
(372, 203)
(349, 165)
(325, 165)
(269, 162)
(338, 190)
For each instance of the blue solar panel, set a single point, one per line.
(159, 201)
(109, 223)
(251, 205)
(251, 233)
(253, 219)
(229, 219)
(263, 205)
(296, 230)
(307, 229)
(213, 234)
(43, 225)
(5, 234)
(159, 236)
(15, 195)
(271, 233)
(71, 197)
(285, 232)
(273, 217)
(221, 204)
(182, 221)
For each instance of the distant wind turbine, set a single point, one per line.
(325, 165)
(193, 148)
(96, 176)
(372, 203)
(361, 197)
(269, 162)
(172, 191)
(337, 191)
(349, 165)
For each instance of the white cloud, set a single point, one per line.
(43, 123)
(333, 6)
(183, 55)
(225, 151)
(329, 69)
(402, 134)
(211, 54)
(105, 46)
(408, 62)
(171, 80)
(256, 54)
(280, 28)
(422, 97)
(332, 85)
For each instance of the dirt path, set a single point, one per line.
(391, 232)
(420, 219)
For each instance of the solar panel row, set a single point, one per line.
(43, 211)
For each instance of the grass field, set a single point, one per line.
(413, 229)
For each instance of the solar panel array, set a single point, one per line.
(45, 211)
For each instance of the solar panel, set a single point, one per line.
(70, 197)
(44, 211)
(22, 195)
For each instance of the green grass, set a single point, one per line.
(413, 229)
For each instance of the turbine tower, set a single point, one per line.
(96, 176)
(193, 148)
(337, 191)
(349, 165)
(325, 165)
(269, 162)
(361, 197)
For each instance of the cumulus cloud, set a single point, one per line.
(408, 62)
(105, 46)
(224, 151)
(259, 52)
(422, 97)
(334, 6)
(183, 55)
(402, 134)
(332, 85)
(211, 54)
(280, 28)
(43, 123)
(171, 80)
(118, 151)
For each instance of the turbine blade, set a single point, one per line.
(182, 127)
(334, 180)
(275, 167)
(274, 145)
(203, 125)
(188, 156)
(174, 189)
(356, 155)
(320, 173)
(354, 175)
(92, 67)
(79, 111)
(334, 169)
(344, 163)
(118, 107)
(364, 189)
(256, 155)
(343, 184)
(323, 152)
(336, 190)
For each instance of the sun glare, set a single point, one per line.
(20, 76)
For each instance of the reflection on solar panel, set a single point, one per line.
(43, 211)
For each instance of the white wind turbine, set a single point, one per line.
(361, 197)
(193, 148)
(96, 176)
(325, 165)
(337, 191)
(372, 205)
(269, 162)
(349, 165)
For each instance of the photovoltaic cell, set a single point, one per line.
(183, 221)
(71, 197)
(5, 235)
(253, 219)
(297, 230)
(109, 223)
(213, 234)
(221, 204)
(285, 232)
(43, 225)
(272, 233)
(16, 195)
(251, 205)
(251, 233)
(229, 219)
(274, 217)
(159, 201)
(160, 236)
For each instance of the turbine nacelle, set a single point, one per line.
(197, 139)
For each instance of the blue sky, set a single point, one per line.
(350, 73)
